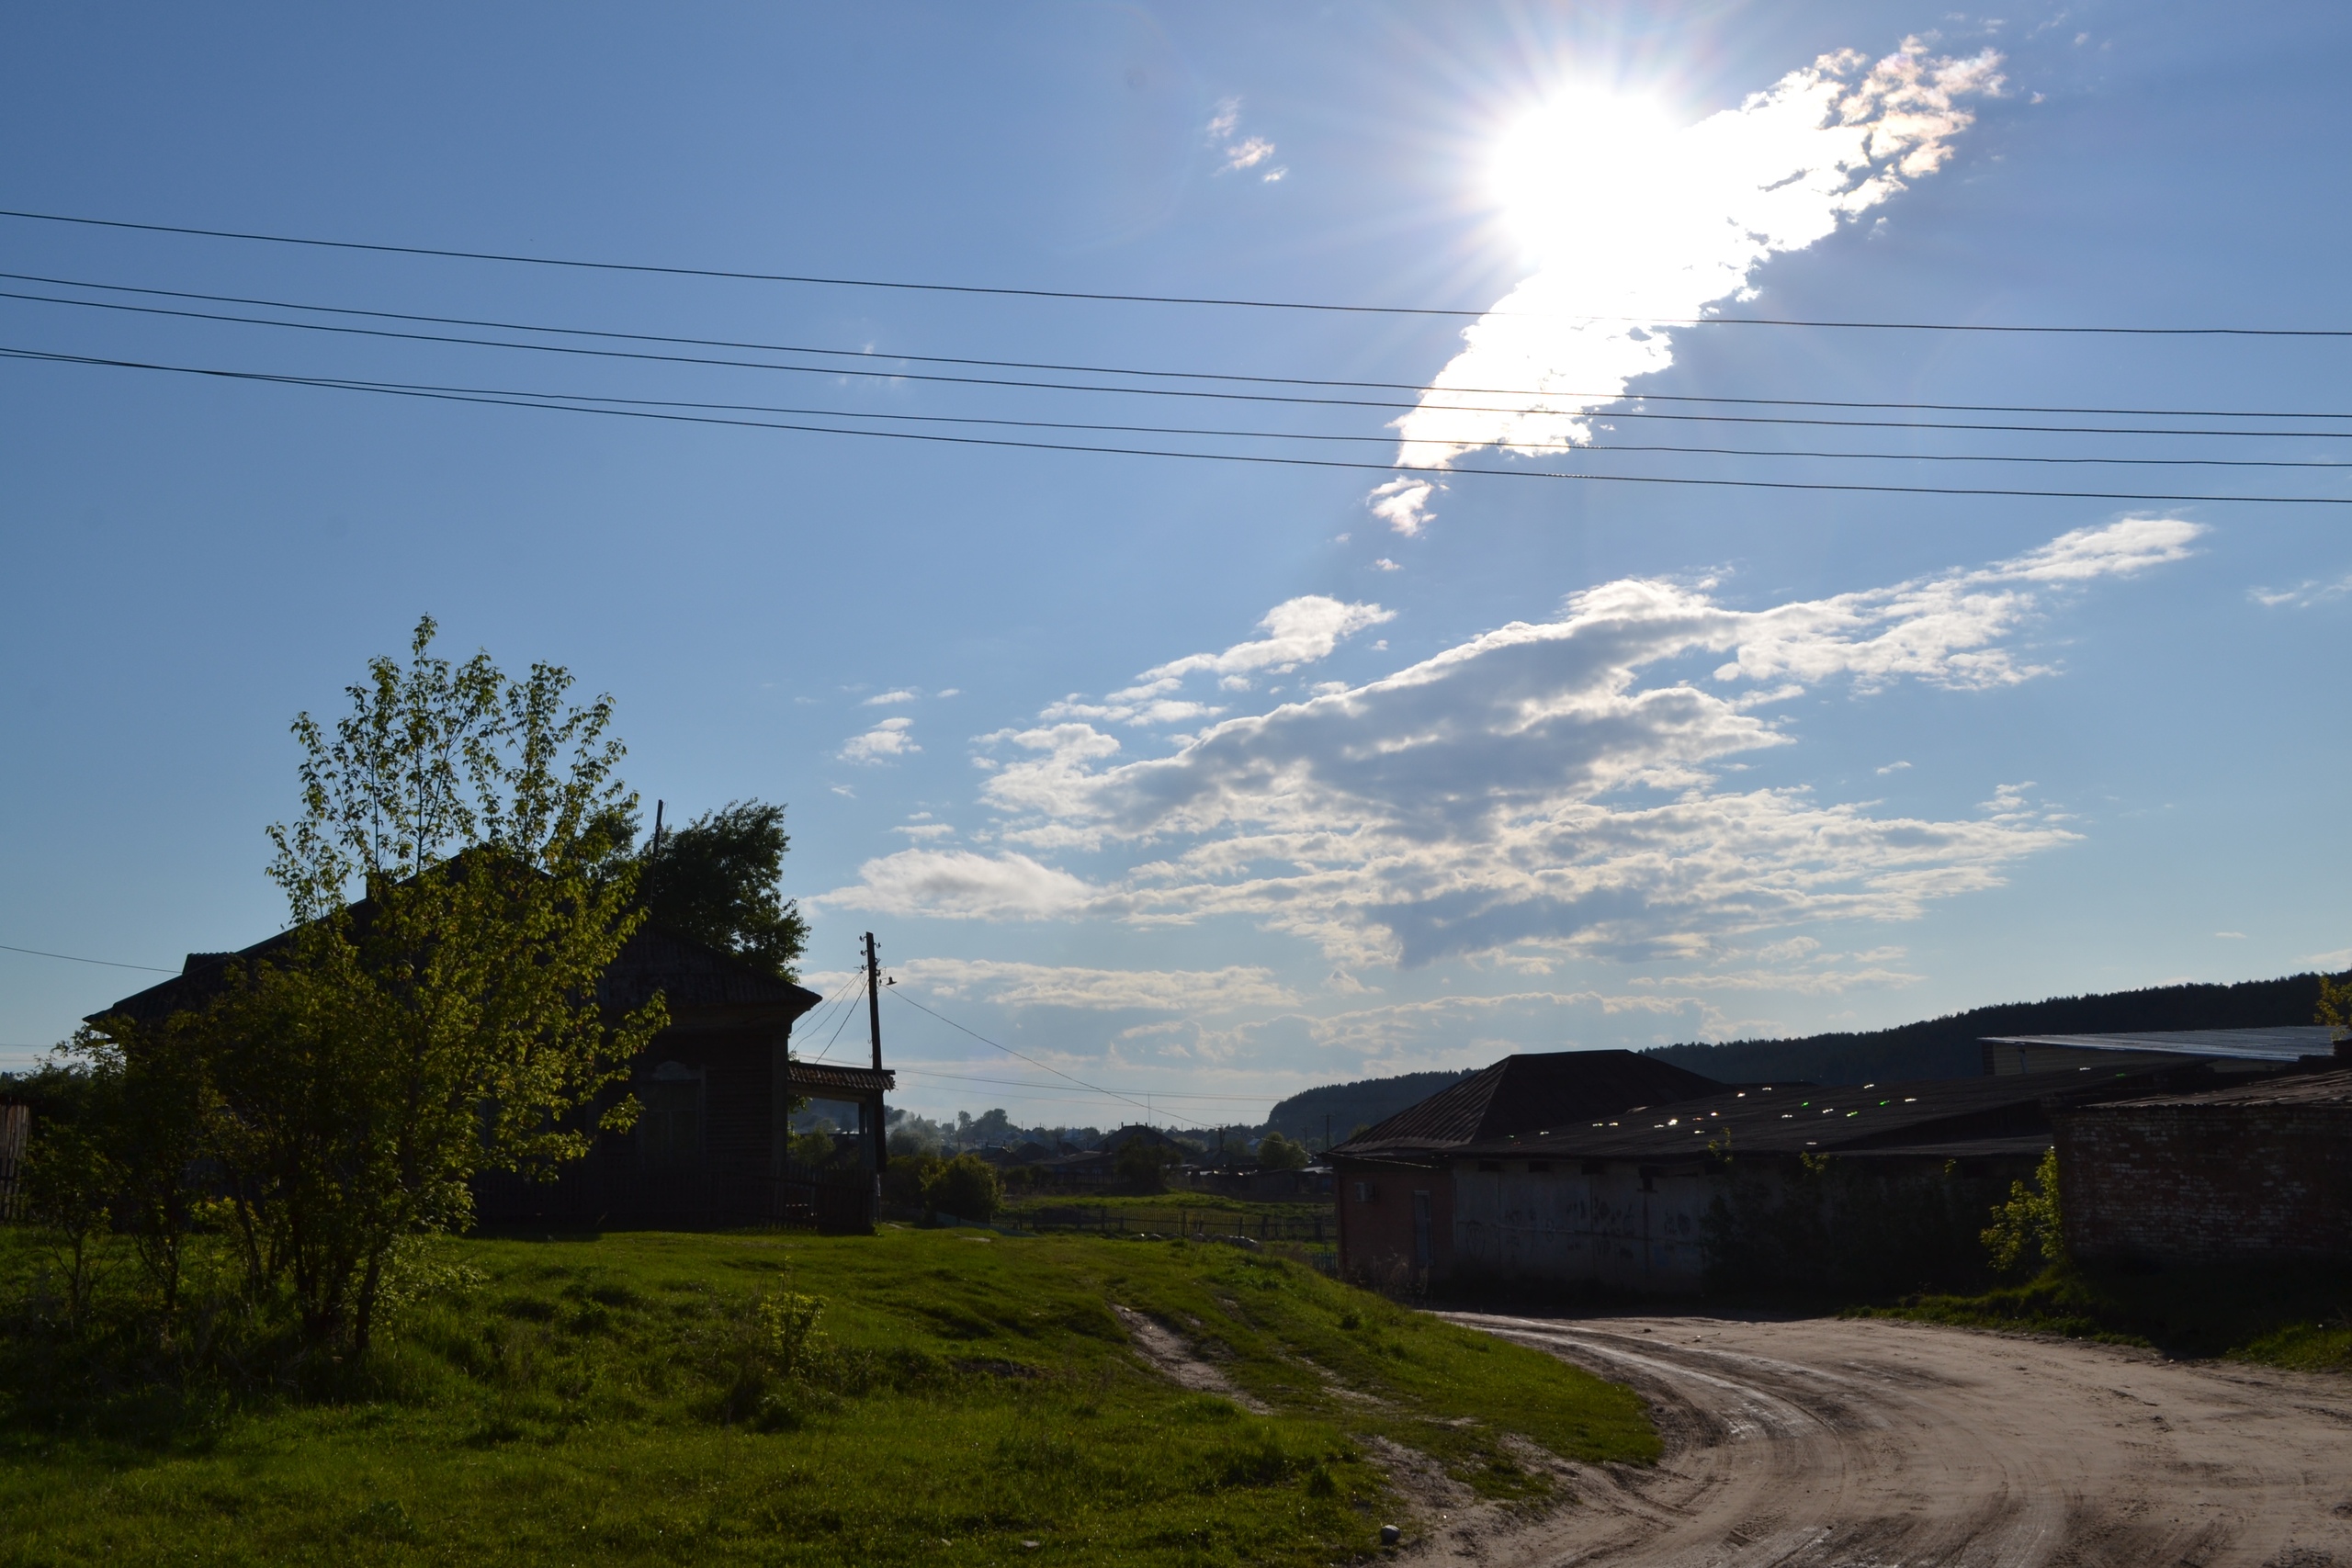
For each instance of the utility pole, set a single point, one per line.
(874, 1023)
(655, 853)
(874, 998)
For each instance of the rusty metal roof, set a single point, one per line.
(805, 1076)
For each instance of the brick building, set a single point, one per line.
(2261, 1172)
(1584, 1167)
(1397, 1182)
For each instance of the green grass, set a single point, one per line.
(2285, 1316)
(607, 1400)
(1167, 1203)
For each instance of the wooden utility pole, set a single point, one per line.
(874, 999)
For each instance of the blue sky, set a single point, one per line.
(1219, 780)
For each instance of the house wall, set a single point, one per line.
(1578, 1222)
(2207, 1183)
(1381, 1236)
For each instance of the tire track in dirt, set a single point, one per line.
(1830, 1443)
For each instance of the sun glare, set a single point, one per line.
(1588, 155)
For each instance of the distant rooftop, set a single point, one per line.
(2287, 1044)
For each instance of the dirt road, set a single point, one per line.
(1822, 1442)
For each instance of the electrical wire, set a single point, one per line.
(835, 370)
(525, 400)
(1097, 427)
(1147, 1109)
(1016, 1083)
(847, 1013)
(69, 958)
(1073, 294)
(870, 354)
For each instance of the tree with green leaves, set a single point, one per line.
(442, 1022)
(1278, 1153)
(719, 880)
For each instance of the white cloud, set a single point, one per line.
(891, 737)
(1893, 768)
(1385, 564)
(960, 884)
(1042, 985)
(2231, 936)
(890, 699)
(1298, 631)
(1402, 503)
(1638, 225)
(2304, 594)
(1547, 788)
(925, 829)
(1239, 151)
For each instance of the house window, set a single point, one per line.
(669, 1127)
(1363, 1192)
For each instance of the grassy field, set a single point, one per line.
(2298, 1317)
(621, 1399)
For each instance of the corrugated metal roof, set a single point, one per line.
(805, 1076)
(2285, 1045)
(1531, 1093)
(2299, 1089)
(1766, 1119)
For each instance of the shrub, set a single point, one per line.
(965, 1187)
(2025, 1236)
(1142, 1166)
(907, 1179)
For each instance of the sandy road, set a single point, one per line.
(1837, 1444)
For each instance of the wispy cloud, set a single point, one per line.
(1015, 985)
(2303, 596)
(1298, 631)
(891, 699)
(1238, 150)
(1640, 226)
(1535, 788)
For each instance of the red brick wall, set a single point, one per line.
(2211, 1182)
(1376, 1206)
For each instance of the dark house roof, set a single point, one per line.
(2281, 1044)
(1943, 1116)
(1528, 1095)
(706, 987)
(2329, 1089)
(812, 1079)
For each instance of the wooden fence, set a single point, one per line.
(15, 1125)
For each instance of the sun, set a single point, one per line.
(1586, 159)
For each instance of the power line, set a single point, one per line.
(1446, 312)
(870, 355)
(1264, 459)
(1016, 1083)
(1580, 449)
(69, 958)
(644, 356)
(1033, 1061)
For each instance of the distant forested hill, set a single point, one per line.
(1947, 1047)
(1353, 1105)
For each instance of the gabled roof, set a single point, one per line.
(1533, 1094)
(704, 985)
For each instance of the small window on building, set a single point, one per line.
(1490, 1165)
(669, 1127)
(1363, 1192)
(1539, 1167)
